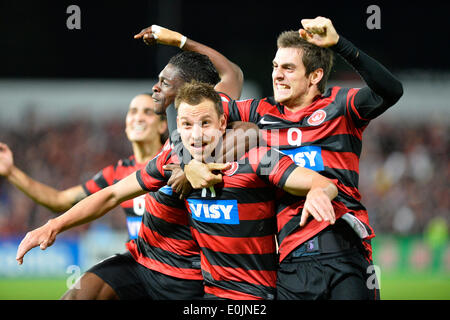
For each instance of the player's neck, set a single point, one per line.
(303, 102)
(144, 151)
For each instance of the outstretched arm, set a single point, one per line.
(43, 194)
(231, 75)
(87, 210)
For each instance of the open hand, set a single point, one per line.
(318, 205)
(43, 237)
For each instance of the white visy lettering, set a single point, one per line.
(206, 210)
(299, 160)
(197, 210)
(311, 157)
(226, 211)
(214, 211)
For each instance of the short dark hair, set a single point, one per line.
(195, 92)
(314, 57)
(195, 66)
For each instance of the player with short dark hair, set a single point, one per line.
(146, 132)
(313, 57)
(193, 66)
(321, 130)
(237, 244)
(163, 262)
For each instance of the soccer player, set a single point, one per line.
(146, 132)
(163, 262)
(235, 223)
(321, 130)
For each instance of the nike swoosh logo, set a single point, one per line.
(263, 121)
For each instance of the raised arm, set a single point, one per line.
(87, 210)
(231, 75)
(53, 199)
(383, 88)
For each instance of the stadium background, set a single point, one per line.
(64, 95)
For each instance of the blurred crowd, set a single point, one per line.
(404, 174)
(404, 170)
(61, 155)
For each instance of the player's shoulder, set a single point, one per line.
(339, 94)
(258, 152)
(165, 153)
(224, 96)
(267, 101)
(263, 157)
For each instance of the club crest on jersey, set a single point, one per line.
(232, 170)
(214, 211)
(317, 117)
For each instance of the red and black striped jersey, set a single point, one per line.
(134, 209)
(234, 224)
(164, 242)
(325, 136)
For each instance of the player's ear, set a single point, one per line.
(222, 122)
(316, 76)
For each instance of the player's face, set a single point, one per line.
(200, 128)
(289, 81)
(142, 123)
(165, 90)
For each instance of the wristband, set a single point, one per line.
(155, 31)
(182, 42)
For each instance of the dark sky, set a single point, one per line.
(35, 42)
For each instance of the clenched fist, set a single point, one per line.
(319, 31)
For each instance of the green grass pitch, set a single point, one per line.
(403, 287)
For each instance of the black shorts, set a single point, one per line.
(345, 275)
(131, 280)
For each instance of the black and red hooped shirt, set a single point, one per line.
(134, 208)
(234, 222)
(320, 137)
(325, 136)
